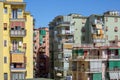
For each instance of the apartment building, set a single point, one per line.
(41, 52)
(91, 62)
(35, 48)
(112, 23)
(16, 58)
(99, 58)
(96, 34)
(95, 30)
(64, 31)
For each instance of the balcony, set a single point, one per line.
(65, 34)
(63, 60)
(17, 33)
(115, 57)
(94, 57)
(96, 21)
(17, 58)
(63, 24)
(18, 68)
(42, 50)
(97, 36)
(113, 70)
(68, 45)
(17, 19)
(69, 41)
(93, 70)
(98, 40)
(13, 50)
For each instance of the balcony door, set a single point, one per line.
(14, 14)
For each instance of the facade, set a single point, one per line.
(112, 23)
(41, 52)
(97, 37)
(91, 62)
(16, 58)
(95, 30)
(98, 59)
(64, 31)
(35, 48)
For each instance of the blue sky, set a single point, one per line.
(44, 11)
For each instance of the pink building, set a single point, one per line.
(41, 52)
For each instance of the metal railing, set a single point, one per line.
(17, 33)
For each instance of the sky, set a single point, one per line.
(44, 11)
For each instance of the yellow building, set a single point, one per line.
(16, 41)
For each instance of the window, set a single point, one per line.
(17, 28)
(116, 37)
(5, 26)
(67, 28)
(5, 10)
(106, 28)
(106, 19)
(116, 29)
(83, 29)
(14, 14)
(17, 76)
(106, 37)
(115, 19)
(22, 28)
(12, 28)
(5, 76)
(5, 59)
(83, 38)
(35, 47)
(5, 43)
(19, 11)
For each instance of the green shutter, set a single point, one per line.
(114, 64)
(42, 32)
(73, 51)
(80, 52)
(41, 39)
(97, 76)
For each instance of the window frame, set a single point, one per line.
(5, 26)
(5, 59)
(5, 76)
(5, 43)
(5, 10)
(115, 19)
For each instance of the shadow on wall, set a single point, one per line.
(42, 66)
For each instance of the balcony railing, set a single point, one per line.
(114, 57)
(60, 24)
(93, 57)
(17, 19)
(18, 51)
(92, 70)
(17, 33)
(18, 69)
(113, 69)
(99, 40)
